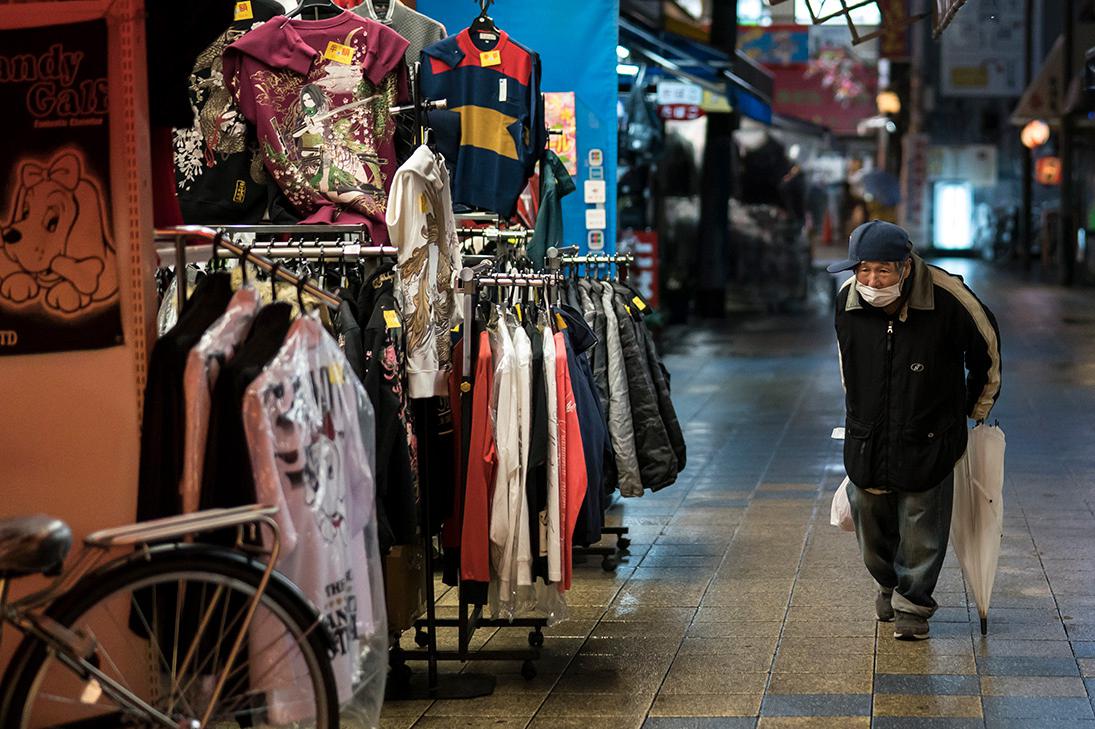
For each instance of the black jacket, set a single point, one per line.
(908, 393)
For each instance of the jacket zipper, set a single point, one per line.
(886, 411)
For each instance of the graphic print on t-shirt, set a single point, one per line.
(327, 142)
(308, 456)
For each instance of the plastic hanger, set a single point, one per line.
(319, 8)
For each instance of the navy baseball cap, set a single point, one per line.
(875, 241)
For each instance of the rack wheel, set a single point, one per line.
(536, 639)
(528, 670)
(623, 543)
(421, 638)
(609, 563)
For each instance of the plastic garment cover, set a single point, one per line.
(168, 314)
(310, 432)
(977, 519)
(203, 365)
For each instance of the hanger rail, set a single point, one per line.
(181, 234)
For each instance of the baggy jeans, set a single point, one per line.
(903, 539)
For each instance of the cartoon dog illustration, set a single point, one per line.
(57, 243)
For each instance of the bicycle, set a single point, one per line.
(134, 640)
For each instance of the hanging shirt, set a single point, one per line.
(163, 427)
(203, 366)
(523, 395)
(218, 166)
(493, 130)
(319, 93)
(482, 462)
(419, 30)
(421, 225)
(554, 510)
(310, 435)
(574, 482)
(620, 425)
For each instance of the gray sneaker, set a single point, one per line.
(910, 627)
(882, 607)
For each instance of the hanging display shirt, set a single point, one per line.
(319, 93)
(310, 434)
(218, 167)
(421, 224)
(419, 30)
(203, 366)
(493, 130)
(554, 539)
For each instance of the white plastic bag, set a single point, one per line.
(840, 513)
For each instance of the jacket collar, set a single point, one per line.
(456, 48)
(921, 294)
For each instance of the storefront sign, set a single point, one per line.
(644, 245)
(776, 45)
(914, 185)
(58, 261)
(984, 59)
(894, 41)
(810, 99)
(680, 112)
(559, 113)
(1047, 170)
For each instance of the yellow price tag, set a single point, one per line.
(243, 11)
(490, 58)
(391, 319)
(423, 203)
(639, 303)
(560, 322)
(520, 316)
(339, 53)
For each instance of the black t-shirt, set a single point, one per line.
(164, 421)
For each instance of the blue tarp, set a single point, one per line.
(576, 40)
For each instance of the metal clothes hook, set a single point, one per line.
(274, 280)
(245, 252)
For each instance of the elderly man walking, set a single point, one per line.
(919, 353)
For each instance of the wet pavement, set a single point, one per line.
(740, 606)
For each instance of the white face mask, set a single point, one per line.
(881, 297)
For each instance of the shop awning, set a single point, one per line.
(746, 84)
(1044, 98)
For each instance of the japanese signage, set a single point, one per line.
(678, 100)
(809, 99)
(559, 113)
(776, 45)
(984, 59)
(58, 262)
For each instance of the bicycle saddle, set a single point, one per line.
(32, 544)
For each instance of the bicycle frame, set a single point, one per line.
(73, 650)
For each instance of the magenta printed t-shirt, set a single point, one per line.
(319, 94)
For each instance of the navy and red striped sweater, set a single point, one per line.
(492, 133)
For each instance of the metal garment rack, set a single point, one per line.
(568, 256)
(470, 616)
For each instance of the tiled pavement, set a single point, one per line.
(741, 607)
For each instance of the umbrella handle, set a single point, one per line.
(984, 626)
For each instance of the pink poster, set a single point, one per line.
(562, 123)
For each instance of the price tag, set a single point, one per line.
(838, 434)
(560, 321)
(520, 316)
(490, 58)
(391, 319)
(423, 203)
(243, 11)
(639, 303)
(339, 53)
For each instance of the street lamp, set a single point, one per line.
(1034, 134)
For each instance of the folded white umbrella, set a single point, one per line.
(977, 521)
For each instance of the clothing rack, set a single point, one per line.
(179, 235)
(497, 234)
(470, 616)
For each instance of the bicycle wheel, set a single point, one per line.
(282, 676)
